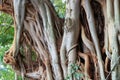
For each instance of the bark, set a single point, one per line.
(113, 23)
(91, 48)
(45, 46)
(70, 37)
(86, 57)
(91, 22)
(49, 35)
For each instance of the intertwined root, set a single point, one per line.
(9, 58)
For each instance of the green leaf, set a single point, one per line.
(78, 75)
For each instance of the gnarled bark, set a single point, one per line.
(43, 50)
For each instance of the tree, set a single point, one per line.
(83, 45)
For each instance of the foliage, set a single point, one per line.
(6, 38)
(60, 7)
(2, 50)
(75, 72)
(6, 73)
(6, 29)
(5, 20)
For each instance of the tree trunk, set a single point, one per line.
(46, 47)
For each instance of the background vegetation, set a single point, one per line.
(6, 38)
